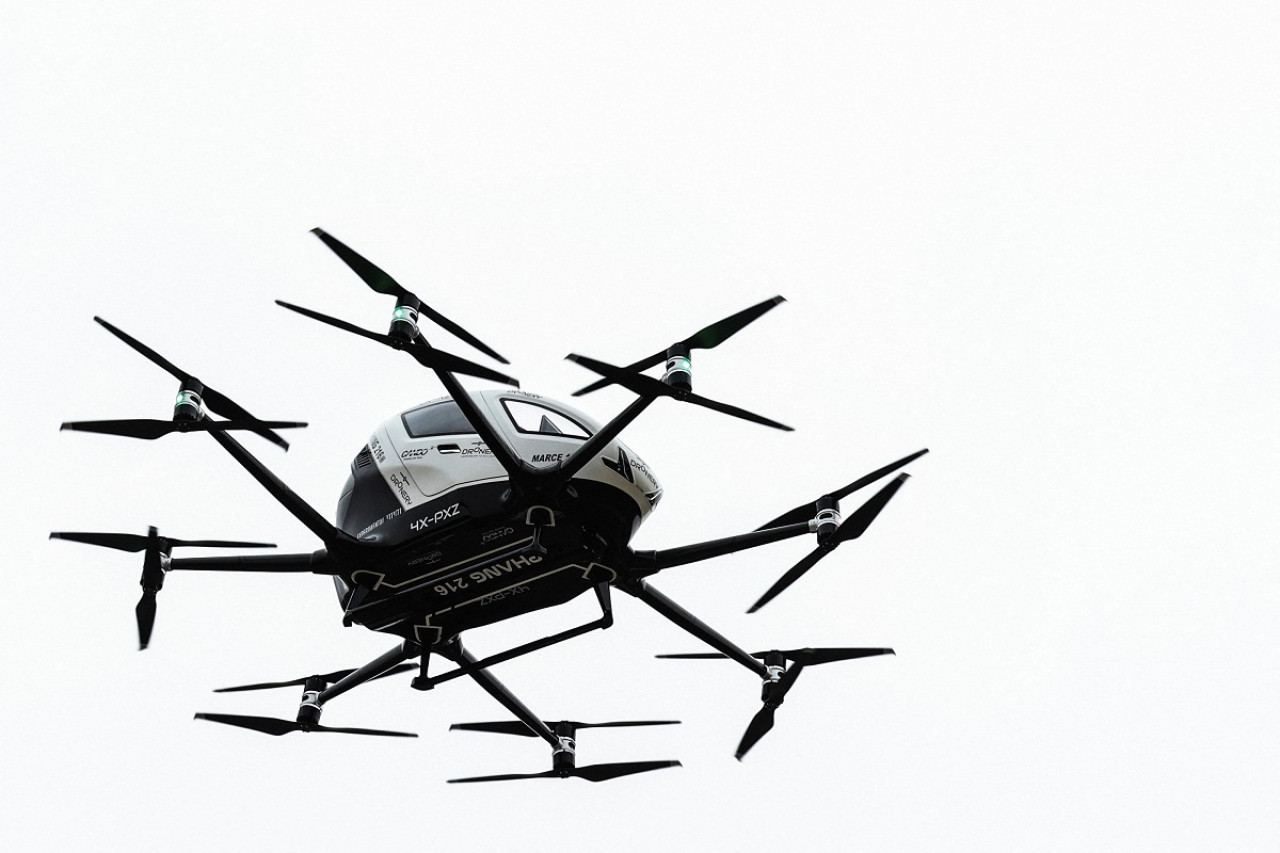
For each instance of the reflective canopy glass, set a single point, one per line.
(538, 419)
(443, 418)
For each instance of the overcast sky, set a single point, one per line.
(1039, 241)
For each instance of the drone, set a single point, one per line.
(481, 506)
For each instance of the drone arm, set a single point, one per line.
(317, 562)
(379, 666)
(522, 474)
(651, 562)
(300, 509)
(495, 688)
(516, 467)
(694, 625)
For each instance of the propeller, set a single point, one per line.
(215, 401)
(647, 386)
(516, 727)
(422, 352)
(564, 754)
(135, 543)
(804, 512)
(592, 772)
(149, 428)
(154, 564)
(853, 527)
(807, 657)
(706, 338)
(329, 678)
(380, 282)
(272, 726)
(781, 681)
(762, 722)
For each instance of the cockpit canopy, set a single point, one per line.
(525, 416)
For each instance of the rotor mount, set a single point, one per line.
(679, 370)
(775, 665)
(404, 319)
(827, 520)
(564, 758)
(309, 709)
(189, 405)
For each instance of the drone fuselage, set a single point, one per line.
(446, 545)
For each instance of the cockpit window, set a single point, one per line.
(539, 420)
(444, 418)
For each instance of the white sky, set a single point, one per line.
(1041, 242)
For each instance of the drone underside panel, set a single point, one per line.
(483, 564)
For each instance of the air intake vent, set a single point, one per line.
(364, 459)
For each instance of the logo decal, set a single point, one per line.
(549, 457)
(622, 466)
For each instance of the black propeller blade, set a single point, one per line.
(149, 428)
(762, 722)
(421, 351)
(133, 542)
(647, 386)
(272, 726)
(154, 562)
(806, 656)
(706, 338)
(592, 772)
(380, 282)
(516, 727)
(804, 512)
(145, 612)
(329, 677)
(216, 402)
(853, 527)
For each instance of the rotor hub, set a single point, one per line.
(828, 518)
(679, 371)
(189, 404)
(309, 708)
(564, 756)
(775, 666)
(404, 320)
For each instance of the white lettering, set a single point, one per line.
(436, 518)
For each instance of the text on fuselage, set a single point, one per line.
(488, 573)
